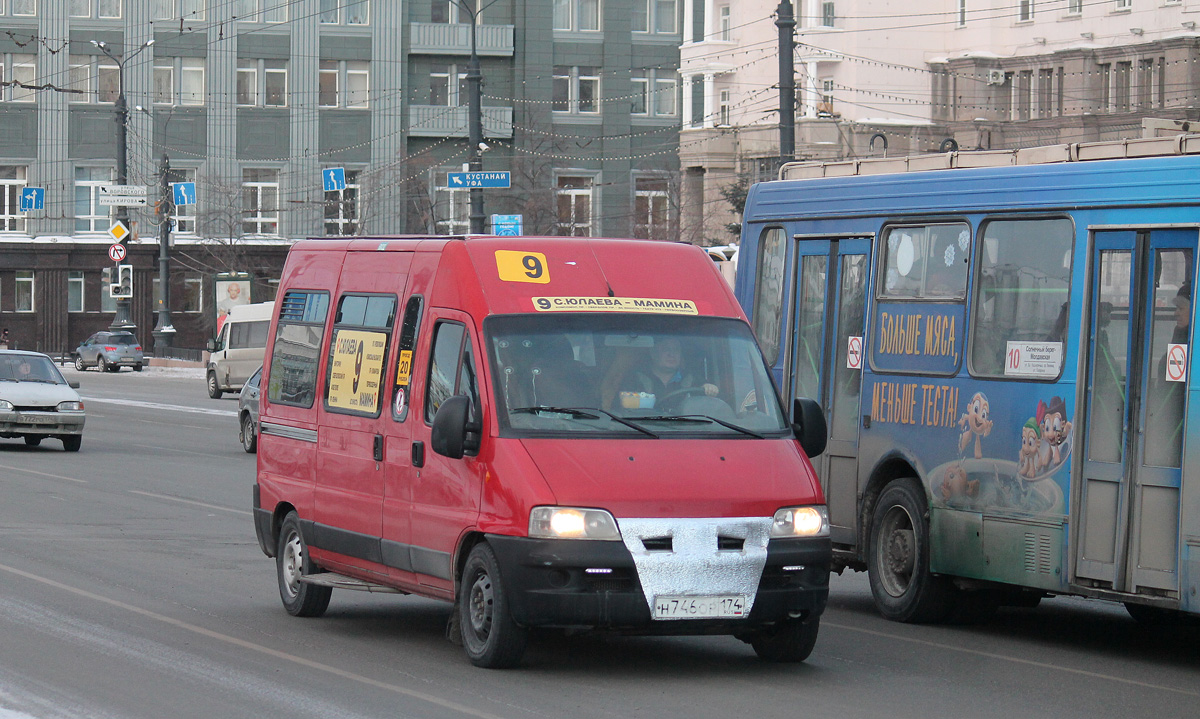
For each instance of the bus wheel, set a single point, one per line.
(787, 642)
(898, 558)
(1152, 616)
(490, 636)
(291, 563)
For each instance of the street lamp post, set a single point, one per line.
(164, 332)
(475, 114)
(122, 319)
(786, 22)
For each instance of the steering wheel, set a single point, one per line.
(670, 397)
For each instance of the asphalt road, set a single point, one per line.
(131, 585)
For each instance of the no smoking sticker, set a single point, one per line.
(1177, 362)
(854, 353)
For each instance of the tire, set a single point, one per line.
(137, 368)
(72, 442)
(103, 365)
(1152, 616)
(247, 434)
(898, 557)
(32, 440)
(490, 636)
(292, 562)
(79, 365)
(789, 642)
(214, 389)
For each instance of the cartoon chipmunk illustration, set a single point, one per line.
(975, 422)
(956, 484)
(1031, 439)
(1055, 429)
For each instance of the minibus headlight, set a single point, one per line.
(70, 406)
(801, 522)
(572, 523)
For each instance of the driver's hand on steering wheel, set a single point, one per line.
(710, 390)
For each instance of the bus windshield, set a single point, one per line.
(626, 374)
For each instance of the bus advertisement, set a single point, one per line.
(1003, 356)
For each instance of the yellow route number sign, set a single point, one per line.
(517, 266)
(355, 370)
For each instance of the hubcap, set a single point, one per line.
(293, 564)
(896, 551)
(480, 605)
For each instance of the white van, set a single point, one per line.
(239, 348)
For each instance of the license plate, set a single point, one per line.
(716, 607)
(34, 419)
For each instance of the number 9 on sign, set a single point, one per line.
(517, 266)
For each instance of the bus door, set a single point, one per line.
(1128, 509)
(827, 355)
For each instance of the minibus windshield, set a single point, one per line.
(630, 374)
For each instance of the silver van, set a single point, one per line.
(239, 348)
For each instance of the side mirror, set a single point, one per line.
(808, 422)
(73, 384)
(449, 436)
(211, 346)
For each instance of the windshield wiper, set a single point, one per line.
(700, 418)
(585, 413)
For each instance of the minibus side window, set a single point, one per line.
(296, 353)
(443, 367)
(357, 353)
(768, 292)
(404, 357)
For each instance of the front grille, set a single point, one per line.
(31, 408)
(608, 583)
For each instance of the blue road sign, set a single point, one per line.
(33, 198)
(479, 179)
(506, 225)
(334, 178)
(185, 193)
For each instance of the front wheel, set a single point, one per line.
(490, 636)
(898, 558)
(214, 389)
(291, 563)
(32, 440)
(72, 442)
(787, 642)
(248, 436)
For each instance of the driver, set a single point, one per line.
(664, 374)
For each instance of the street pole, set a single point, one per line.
(786, 22)
(164, 332)
(475, 127)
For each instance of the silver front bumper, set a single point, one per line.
(48, 423)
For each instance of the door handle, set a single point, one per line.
(379, 448)
(418, 454)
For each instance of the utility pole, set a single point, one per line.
(786, 22)
(475, 123)
(164, 332)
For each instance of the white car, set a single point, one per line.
(37, 402)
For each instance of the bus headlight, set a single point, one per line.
(801, 522)
(572, 523)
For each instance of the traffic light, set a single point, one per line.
(123, 287)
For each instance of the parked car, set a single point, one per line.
(109, 352)
(36, 402)
(248, 412)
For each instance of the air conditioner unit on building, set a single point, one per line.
(995, 77)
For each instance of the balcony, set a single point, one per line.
(447, 121)
(439, 38)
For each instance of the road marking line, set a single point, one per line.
(160, 405)
(243, 644)
(43, 474)
(172, 449)
(1006, 658)
(189, 501)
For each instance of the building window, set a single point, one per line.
(1025, 11)
(576, 89)
(1145, 84)
(341, 208)
(179, 81)
(725, 109)
(651, 208)
(452, 12)
(342, 12)
(75, 291)
(192, 300)
(1074, 7)
(575, 206)
(16, 69)
(1121, 86)
(962, 13)
(108, 303)
(90, 216)
(1124, 4)
(1023, 90)
(828, 14)
(1045, 93)
(260, 201)
(177, 9)
(13, 179)
(655, 96)
(183, 215)
(447, 85)
(825, 106)
(1105, 76)
(451, 207)
(343, 84)
(725, 23)
(657, 16)
(582, 15)
(261, 10)
(24, 8)
(269, 75)
(103, 9)
(24, 288)
(95, 78)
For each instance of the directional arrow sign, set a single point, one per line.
(333, 179)
(33, 198)
(184, 193)
(121, 195)
(479, 179)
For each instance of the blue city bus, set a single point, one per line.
(1001, 348)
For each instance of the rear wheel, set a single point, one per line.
(102, 364)
(137, 367)
(214, 389)
(1152, 616)
(490, 636)
(898, 558)
(32, 440)
(787, 642)
(72, 442)
(291, 563)
(247, 435)
(79, 365)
